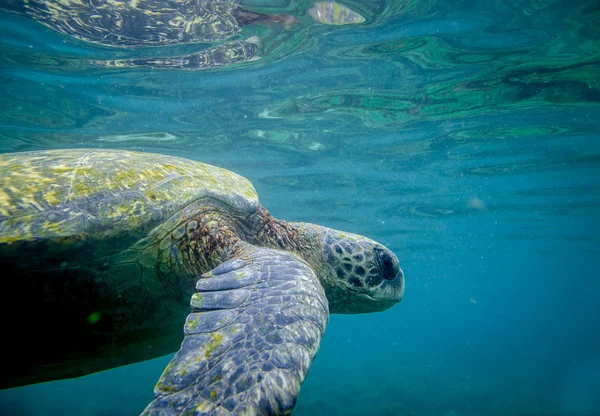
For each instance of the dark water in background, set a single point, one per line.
(463, 135)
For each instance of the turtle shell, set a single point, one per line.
(86, 241)
(137, 23)
(98, 202)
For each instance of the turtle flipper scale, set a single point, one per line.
(256, 325)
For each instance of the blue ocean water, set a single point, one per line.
(463, 135)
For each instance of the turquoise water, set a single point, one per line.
(463, 135)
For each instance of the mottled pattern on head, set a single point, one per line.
(365, 274)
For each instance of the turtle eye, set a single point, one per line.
(387, 264)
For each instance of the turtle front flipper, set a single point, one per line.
(255, 327)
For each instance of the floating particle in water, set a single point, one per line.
(266, 114)
(93, 318)
(476, 203)
(316, 146)
(334, 13)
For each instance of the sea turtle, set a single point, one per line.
(133, 23)
(102, 251)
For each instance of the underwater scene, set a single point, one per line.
(456, 144)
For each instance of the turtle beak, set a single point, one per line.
(391, 290)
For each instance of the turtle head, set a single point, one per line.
(360, 275)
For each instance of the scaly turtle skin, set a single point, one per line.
(102, 251)
(132, 23)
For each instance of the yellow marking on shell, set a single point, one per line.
(123, 210)
(53, 227)
(52, 197)
(115, 3)
(13, 239)
(63, 169)
(4, 203)
(11, 234)
(29, 200)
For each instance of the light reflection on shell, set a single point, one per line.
(333, 13)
